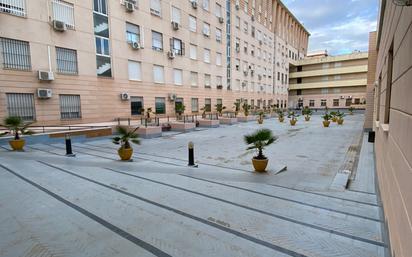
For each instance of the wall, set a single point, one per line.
(370, 88)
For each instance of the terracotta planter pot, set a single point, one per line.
(293, 122)
(340, 121)
(260, 165)
(326, 123)
(307, 118)
(281, 119)
(17, 145)
(125, 154)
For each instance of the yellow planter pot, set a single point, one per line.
(334, 119)
(307, 118)
(260, 165)
(293, 122)
(125, 154)
(340, 121)
(281, 119)
(326, 123)
(17, 145)
(260, 121)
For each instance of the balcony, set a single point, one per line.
(332, 71)
(329, 84)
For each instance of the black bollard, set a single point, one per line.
(191, 155)
(69, 151)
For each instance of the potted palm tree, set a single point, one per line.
(281, 115)
(16, 127)
(204, 110)
(351, 109)
(220, 108)
(293, 118)
(237, 107)
(124, 137)
(246, 109)
(259, 140)
(340, 116)
(261, 115)
(333, 116)
(326, 119)
(307, 113)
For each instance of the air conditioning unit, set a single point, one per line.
(46, 75)
(221, 20)
(59, 26)
(124, 96)
(129, 6)
(135, 45)
(171, 55)
(175, 25)
(194, 4)
(172, 97)
(44, 93)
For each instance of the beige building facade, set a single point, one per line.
(329, 81)
(106, 59)
(393, 121)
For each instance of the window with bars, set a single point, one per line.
(177, 46)
(21, 105)
(195, 104)
(15, 54)
(14, 7)
(70, 107)
(160, 105)
(63, 11)
(66, 61)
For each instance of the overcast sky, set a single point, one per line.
(340, 26)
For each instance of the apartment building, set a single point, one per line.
(393, 120)
(320, 81)
(91, 61)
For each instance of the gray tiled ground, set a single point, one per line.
(94, 205)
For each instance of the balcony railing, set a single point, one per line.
(14, 7)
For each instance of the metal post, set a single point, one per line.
(191, 155)
(128, 121)
(69, 151)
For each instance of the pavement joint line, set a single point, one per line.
(148, 247)
(274, 196)
(260, 211)
(5, 148)
(363, 192)
(185, 214)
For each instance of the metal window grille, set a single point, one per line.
(66, 60)
(63, 11)
(21, 105)
(70, 107)
(15, 54)
(14, 7)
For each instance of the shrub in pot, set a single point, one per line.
(237, 107)
(326, 119)
(16, 127)
(258, 141)
(220, 108)
(333, 116)
(246, 108)
(124, 138)
(261, 115)
(293, 118)
(307, 113)
(281, 115)
(351, 109)
(340, 116)
(204, 110)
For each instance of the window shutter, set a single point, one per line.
(183, 48)
(171, 45)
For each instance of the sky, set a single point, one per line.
(339, 26)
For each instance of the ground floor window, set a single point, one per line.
(323, 102)
(300, 103)
(136, 105)
(208, 104)
(311, 103)
(195, 104)
(335, 102)
(160, 105)
(21, 105)
(357, 100)
(70, 107)
(252, 103)
(348, 102)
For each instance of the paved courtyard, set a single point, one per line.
(95, 205)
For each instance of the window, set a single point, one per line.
(357, 100)
(16, 54)
(348, 102)
(193, 79)
(278, 76)
(193, 52)
(252, 31)
(299, 92)
(389, 82)
(135, 70)
(192, 23)
(207, 80)
(218, 10)
(246, 6)
(245, 46)
(206, 55)
(21, 105)
(311, 103)
(206, 29)
(323, 102)
(208, 104)
(158, 74)
(324, 91)
(15, 7)
(155, 7)
(205, 5)
(219, 80)
(100, 6)
(299, 80)
(101, 32)
(178, 76)
(157, 41)
(177, 46)
(70, 107)
(245, 27)
(335, 102)
(132, 33)
(237, 22)
(63, 11)
(218, 35)
(218, 59)
(195, 104)
(176, 14)
(160, 105)
(136, 105)
(66, 60)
